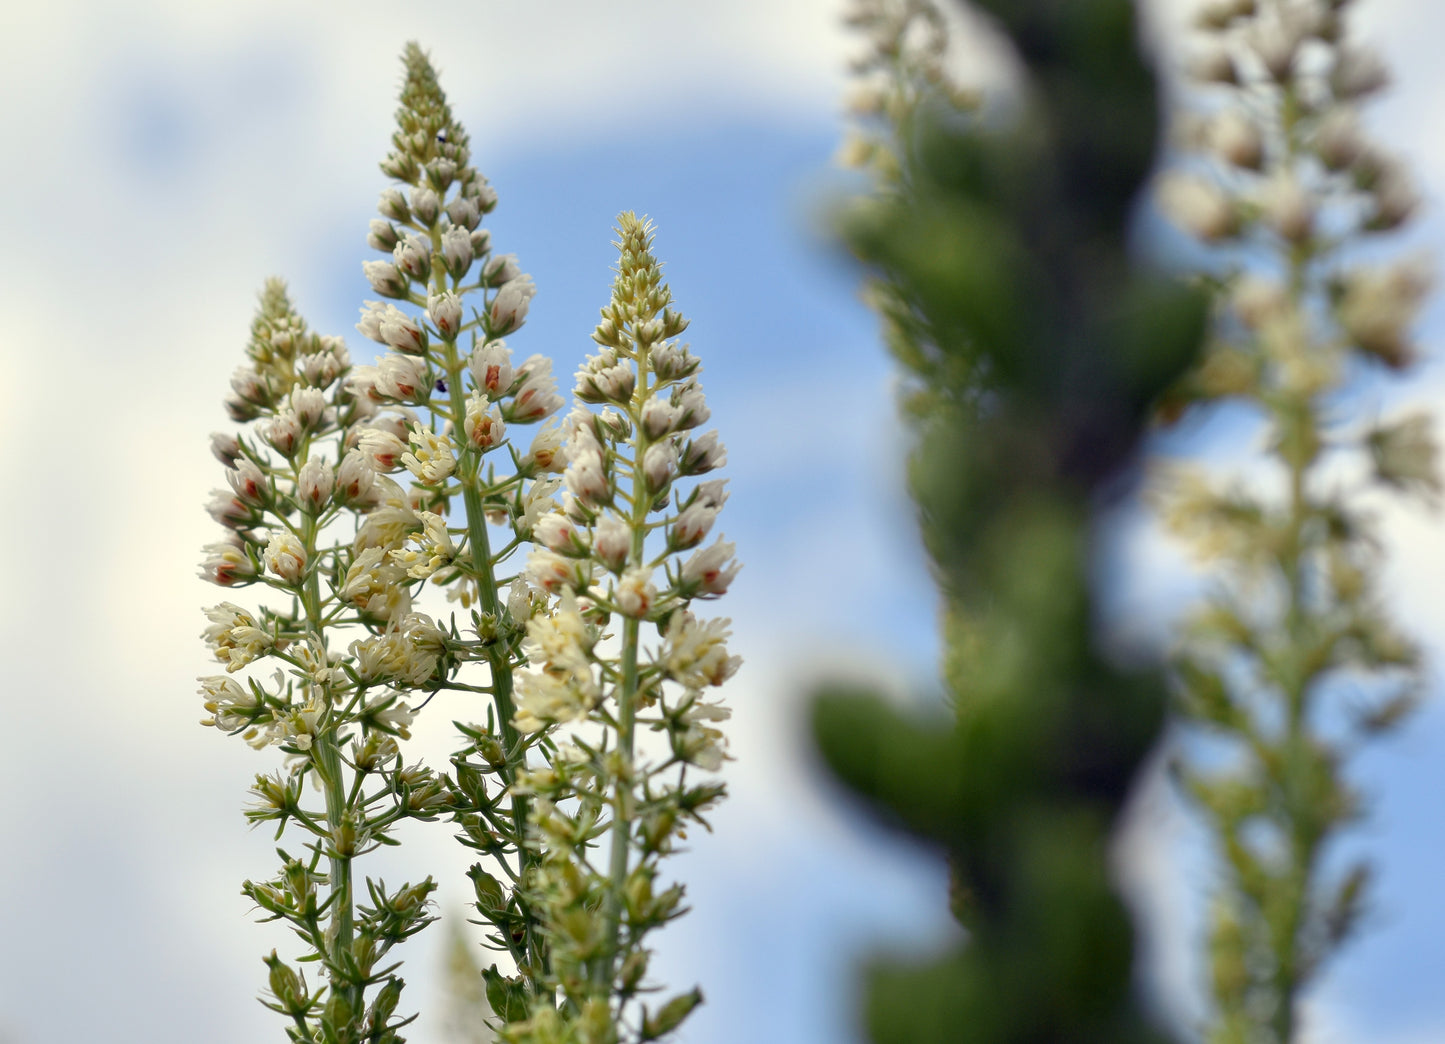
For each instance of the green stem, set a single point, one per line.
(327, 757)
(499, 654)
(604, 971)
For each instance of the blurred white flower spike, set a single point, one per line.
(336, 656)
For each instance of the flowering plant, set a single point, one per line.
(320, 521)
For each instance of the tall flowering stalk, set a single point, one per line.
(315, 516)
(1294, 663)
(623, 553)
(1032, 344)
(334, 716)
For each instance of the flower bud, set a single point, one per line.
(425, 205)
(1405, 454)
(464, 213)
(672, 362)
(690, 404)
(611, 542)
(382, 449)
(537, 397)
(314, 483)
(412, 257)
(586, 477)
(1288, 208)
(385, 278)
(1236, 138)
(392, 204)
(491, 367)
(284, 432)
(709, 571)
(509, 307)
(457, 250)
(225, 447)
(285, 556)
(659, 417)
(354, 478)
(481, 242)
(500, 269)
(635, 592)
(546, 452)
(659, 464)
(383, 236)
(308, 404)
(703, 454)
(692, 524)
(558, 533)
(1198, 207)
(1213, 65)
(1338, 141)
(1358, 72)
(249, 483)
(445, 312)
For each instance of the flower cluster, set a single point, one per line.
(340, 500)
(1287, 181)
(368, 497)
(625, 550)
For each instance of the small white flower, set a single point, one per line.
(354, 478)
(1237, 139)
(586, 476)
(226, 563)
(484, 425)
(285, 556)
(546, 452)
(232, 706)
(696, 652)
(430, 459)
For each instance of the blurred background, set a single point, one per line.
(165, 158)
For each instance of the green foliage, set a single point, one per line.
(1037, 347)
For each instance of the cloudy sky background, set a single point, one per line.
(163, 159)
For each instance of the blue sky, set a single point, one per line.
(177, 157)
